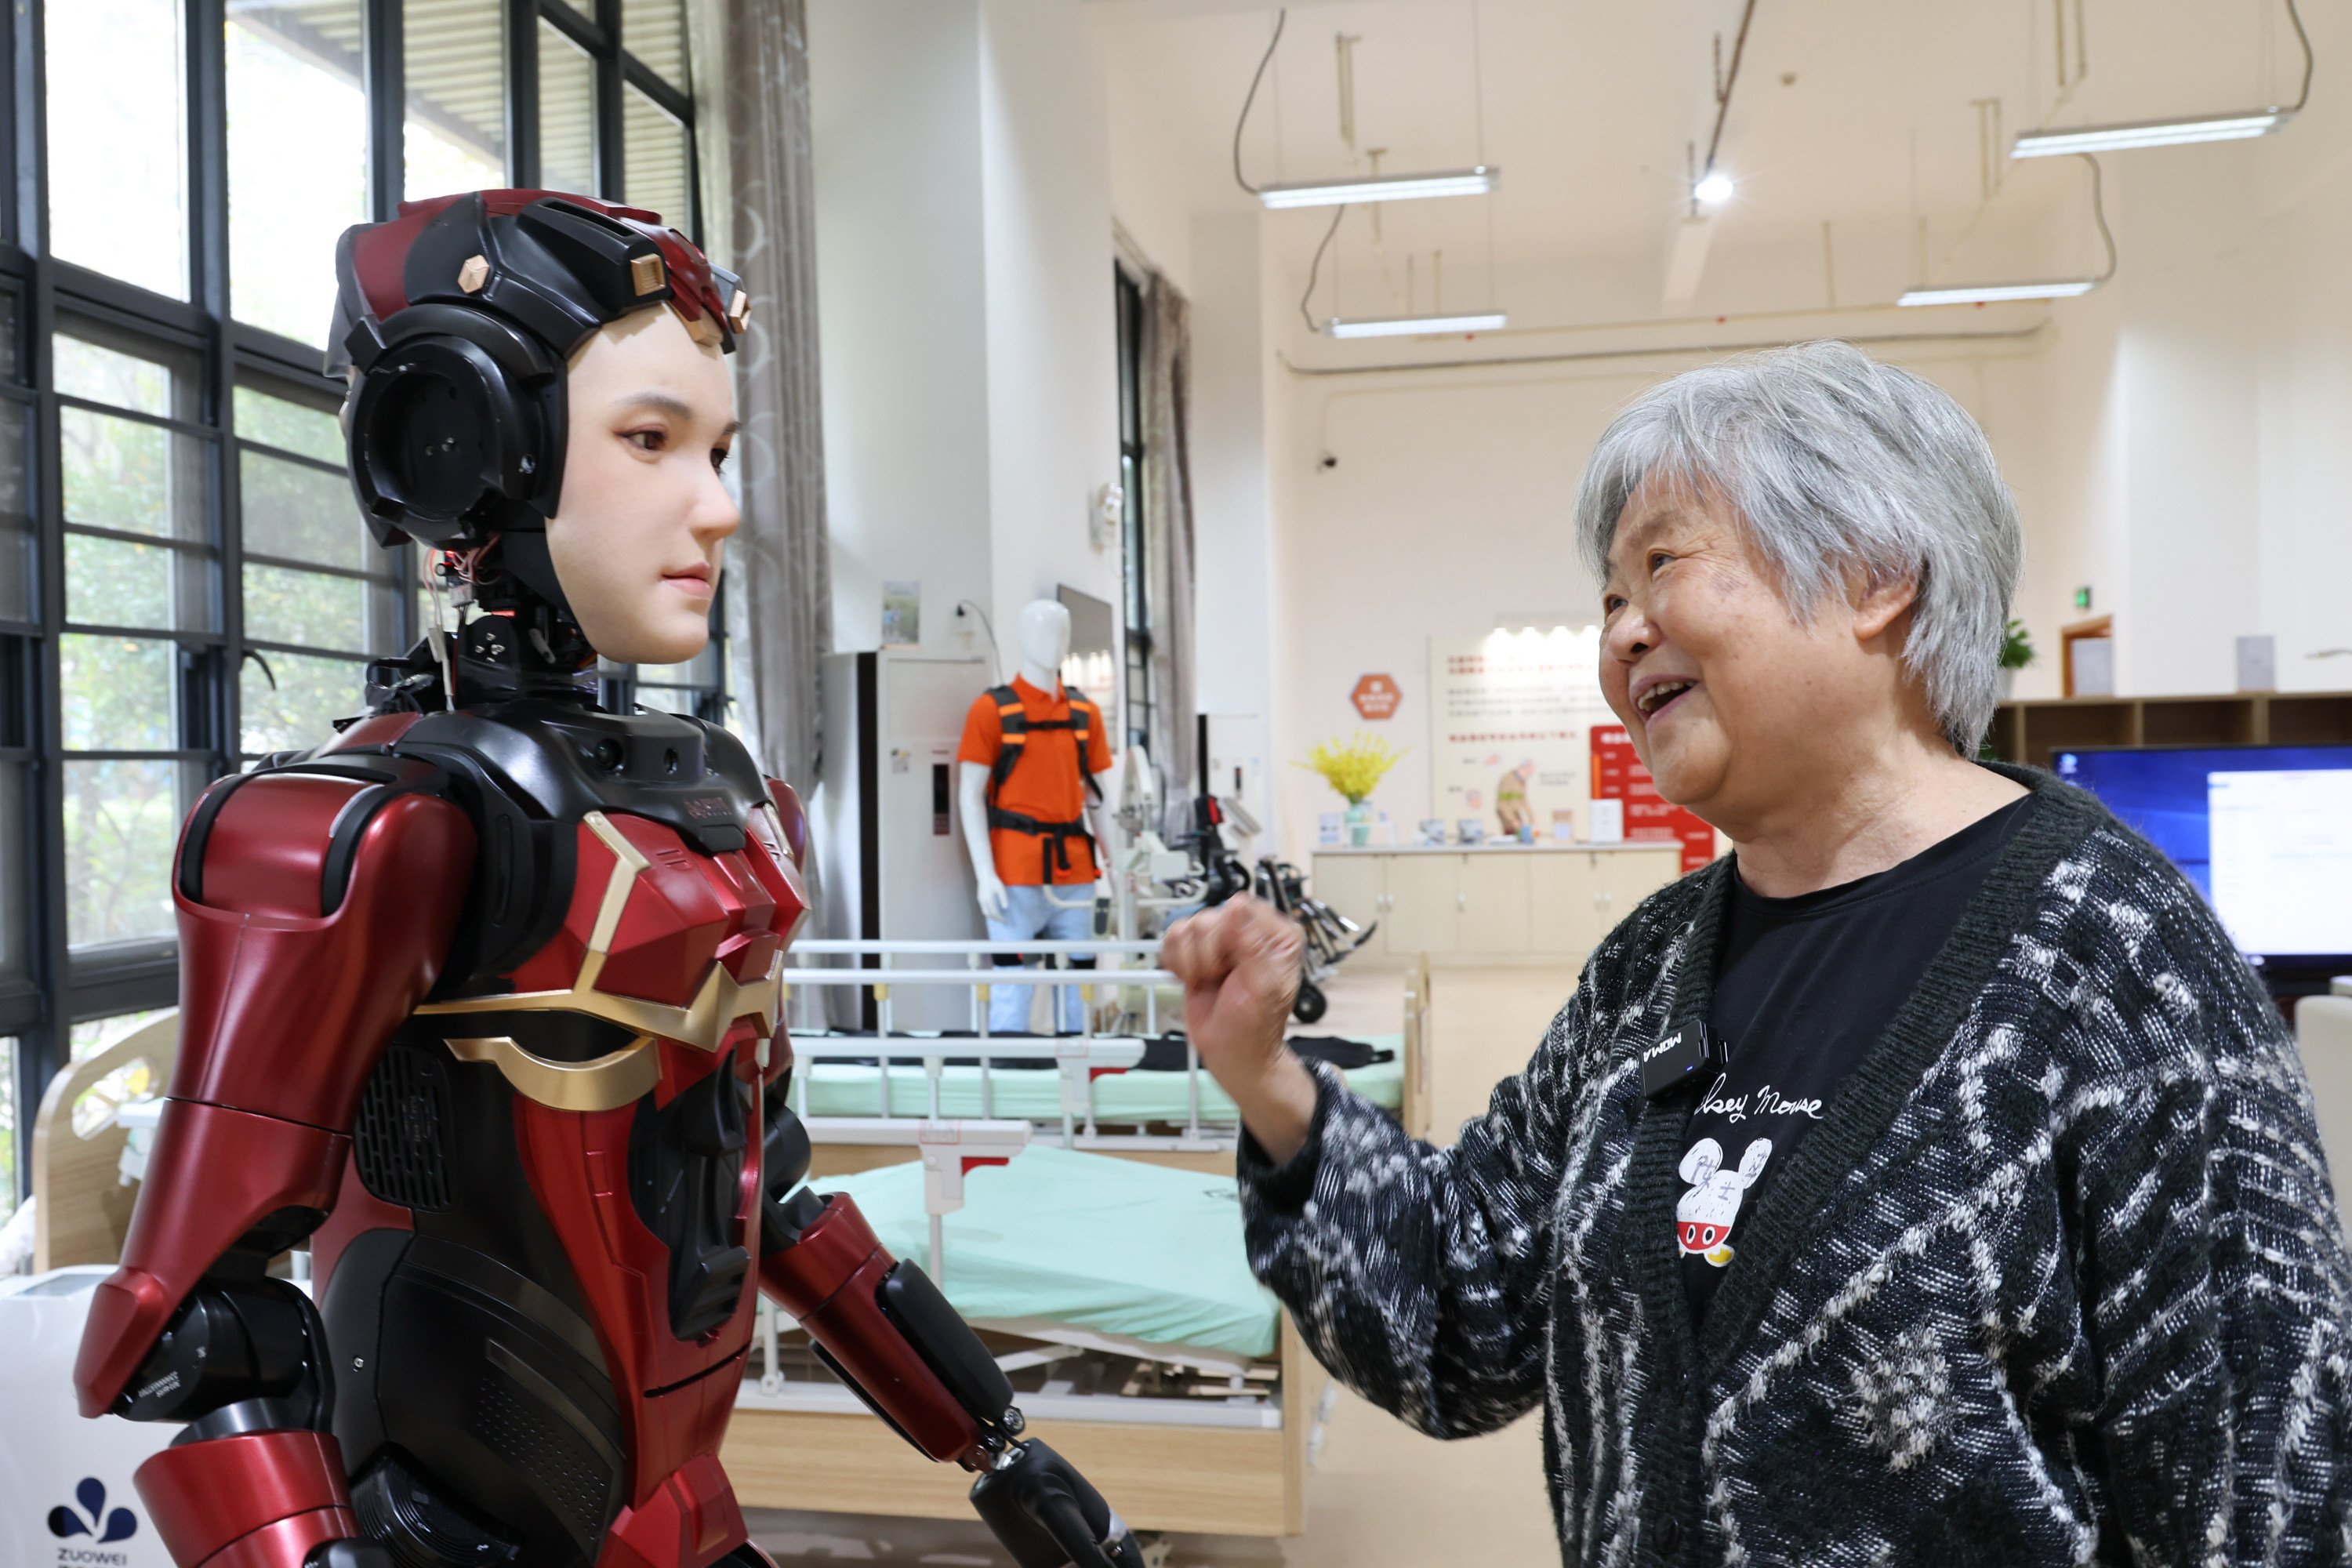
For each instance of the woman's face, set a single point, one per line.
(1738, 708)
(638, 534)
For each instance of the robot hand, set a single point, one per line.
(1048, 1516)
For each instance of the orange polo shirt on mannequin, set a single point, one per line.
(1047, 783)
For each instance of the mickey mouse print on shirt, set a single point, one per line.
(1704, 1218)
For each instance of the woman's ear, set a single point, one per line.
(1877, 606)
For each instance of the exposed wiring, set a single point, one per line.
(2099, 211)
(995, 654)
(1239, 125)
(1723, 96)
(1316, 267)
(2295, 16)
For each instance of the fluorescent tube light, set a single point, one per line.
(2149, 133)
(1412, 326)
(1475, 181)
(1994, 293)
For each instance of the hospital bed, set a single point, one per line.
(1117, 1296)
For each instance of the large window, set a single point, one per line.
(184, 582)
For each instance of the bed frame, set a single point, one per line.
(1215, 1480)
(82, 1207)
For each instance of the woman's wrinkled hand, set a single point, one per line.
(1239, 962)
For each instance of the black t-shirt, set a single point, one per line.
(1804, 987)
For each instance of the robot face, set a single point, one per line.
(639, 533)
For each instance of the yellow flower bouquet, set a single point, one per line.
(1353, 767)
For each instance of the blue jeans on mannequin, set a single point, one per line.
(1027, 917)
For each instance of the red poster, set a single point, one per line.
(1618, 774)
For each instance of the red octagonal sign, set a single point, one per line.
(1376, 697)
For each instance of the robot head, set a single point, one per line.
(457, 319)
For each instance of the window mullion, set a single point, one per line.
(611, 165)
(381, 56)
(209, 720)
(523, 92)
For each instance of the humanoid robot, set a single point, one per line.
(1033, 820)
(481, 998)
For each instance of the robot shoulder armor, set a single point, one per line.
(286, 838)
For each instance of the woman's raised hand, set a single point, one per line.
(1240, 965)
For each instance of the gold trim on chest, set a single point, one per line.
(619, 1077)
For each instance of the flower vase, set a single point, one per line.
(1360, 824)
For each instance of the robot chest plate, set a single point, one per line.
(663, 950)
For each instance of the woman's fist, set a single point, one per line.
(1240, 965)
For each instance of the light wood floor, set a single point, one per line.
(1381, 1496)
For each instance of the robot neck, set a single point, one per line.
(521, 647)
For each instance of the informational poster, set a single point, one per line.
(1510, 717)
(1618, 776)
(902, 614)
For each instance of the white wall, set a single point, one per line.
(965, 303)
(895, 95)
(1053, 367)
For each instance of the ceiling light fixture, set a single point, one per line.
(2149, 133)
(1414, 326)
(1715, 186)
(2053, 288)
(1473, 182)
(2177, 131)
(1995, 293)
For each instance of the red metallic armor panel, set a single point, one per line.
(207, 1497)
(259, 991)
(828, 1283)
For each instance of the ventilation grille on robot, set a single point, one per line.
(564, 1469)
(403, 1122)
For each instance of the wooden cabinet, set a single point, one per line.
(1357, 885)
(1424, 903)
(1499, 903)
(1492, 904)
(2034, 731)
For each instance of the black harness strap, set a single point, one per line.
(1013, 719)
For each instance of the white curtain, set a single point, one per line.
(759, 201)
(1166, 375)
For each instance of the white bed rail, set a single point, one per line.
(980, 970)
(1079, 1067)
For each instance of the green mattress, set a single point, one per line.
(841, 1088)
(1113, 1246)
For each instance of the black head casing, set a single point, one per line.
(457, 429)
(459, 319)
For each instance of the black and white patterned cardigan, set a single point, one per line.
(2060, 1279)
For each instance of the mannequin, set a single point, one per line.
(1034, 886)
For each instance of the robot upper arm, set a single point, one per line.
(316, 905)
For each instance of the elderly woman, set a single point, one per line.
(1927, 1182)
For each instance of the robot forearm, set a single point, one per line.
(886, 1330)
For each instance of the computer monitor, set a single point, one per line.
(2266, 832)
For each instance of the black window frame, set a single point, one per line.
(57, 987)
(1138, 689)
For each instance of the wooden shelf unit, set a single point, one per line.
(2032, 732)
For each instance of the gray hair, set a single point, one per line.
(1833, 464)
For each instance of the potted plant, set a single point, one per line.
(1354, 767)
(2016, 653)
